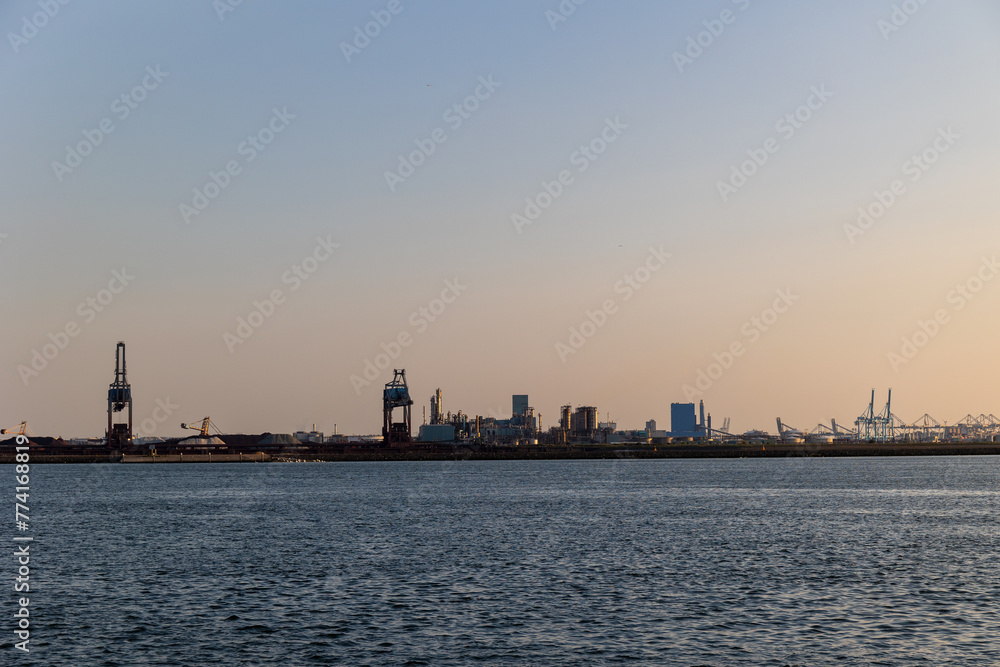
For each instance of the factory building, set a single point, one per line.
(519, 404)
(684, 423)
(522, 414)
(309, 436)
(653, 433)
(583, 422)
(447, 427)
(436, 433)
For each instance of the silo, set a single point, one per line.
(590, 419)
(564, 420)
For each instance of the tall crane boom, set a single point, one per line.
(202, 430)
(21, 429)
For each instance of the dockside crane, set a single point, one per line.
(927, 428)
(881, 427)
(119, 435)
(396, 395)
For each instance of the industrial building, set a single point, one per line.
(522, 427)
(682, 421)
(583, 422)
(685, 424)
(519, 405)
(309, 436)
(654, 433)
(439, 430)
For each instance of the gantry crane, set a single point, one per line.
(396, 395)
(119, 436)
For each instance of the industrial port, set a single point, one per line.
(577, 434)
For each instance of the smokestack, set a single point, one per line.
(701, 410)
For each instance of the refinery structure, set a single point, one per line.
(441, 430)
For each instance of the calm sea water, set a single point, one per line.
(791, 561)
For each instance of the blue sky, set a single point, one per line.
(656, 185)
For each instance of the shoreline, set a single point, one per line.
(541, 453)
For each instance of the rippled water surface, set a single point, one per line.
(794, 561)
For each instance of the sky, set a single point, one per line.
(774, 207)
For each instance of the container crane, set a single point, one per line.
(396, 395)
(119, 435)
